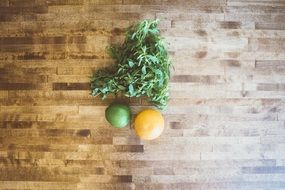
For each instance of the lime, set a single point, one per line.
(118, 115)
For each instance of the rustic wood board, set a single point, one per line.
(225, 124)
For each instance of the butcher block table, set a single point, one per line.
(224, 124)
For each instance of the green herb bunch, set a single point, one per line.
(142, 66)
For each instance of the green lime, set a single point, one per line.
(118, 115)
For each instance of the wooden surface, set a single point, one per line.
(225, 125)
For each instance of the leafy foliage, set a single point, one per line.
(142, 67)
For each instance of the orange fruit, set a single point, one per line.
(149, 124)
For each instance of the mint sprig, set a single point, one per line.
(142, 66)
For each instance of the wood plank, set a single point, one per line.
(225, 121)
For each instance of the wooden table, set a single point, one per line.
(225, 124)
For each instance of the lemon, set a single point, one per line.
(118, 115)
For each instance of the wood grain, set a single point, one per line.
(225, 124)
